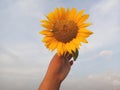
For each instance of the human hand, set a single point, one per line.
(60, 66)
(58, 69)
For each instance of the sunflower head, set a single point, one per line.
(65, 29)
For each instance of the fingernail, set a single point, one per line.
(71, 62)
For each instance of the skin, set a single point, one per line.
(58, 69)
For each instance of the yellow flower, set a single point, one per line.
(65, 29)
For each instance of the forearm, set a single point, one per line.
(57, 71)
(50, 84)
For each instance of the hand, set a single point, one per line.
(60, 66)
(58, 69)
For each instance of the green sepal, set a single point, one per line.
(75, 54)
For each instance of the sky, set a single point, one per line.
(24, 58)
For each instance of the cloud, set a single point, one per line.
(105, 18)
(26, 63)
(112, 79)
(106, 81)
(109, 81)
(107, 6)
(116, 82)
(105, 53)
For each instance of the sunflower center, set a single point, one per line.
(65, 30)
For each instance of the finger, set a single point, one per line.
(71, 62)
(68, 56)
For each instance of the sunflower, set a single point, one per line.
(65, 29)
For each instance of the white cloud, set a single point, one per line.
(105, 53)
(30, 8)
(105, 18)
(116, 82)
(102, 81)
(112, 79)
(106, 6)
(90, 76)
(26, 63)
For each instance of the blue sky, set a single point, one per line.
(24, 58)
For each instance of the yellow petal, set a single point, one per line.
(59, 48)
(53, 45)
(67, 11)
(62, 13)
(76, 41)
(62, 10)
(46, 32)
(83, 25)
(73, 46)
(62, 50)
(79, 15)
(56, 13)
(47, 44)
(72, 14)
(82, 39)
(47, 39)
(84, 35)
(44, 21)
(68, 48)
(47, 25)
(83, 18)
(85, 31)
(50, 17)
